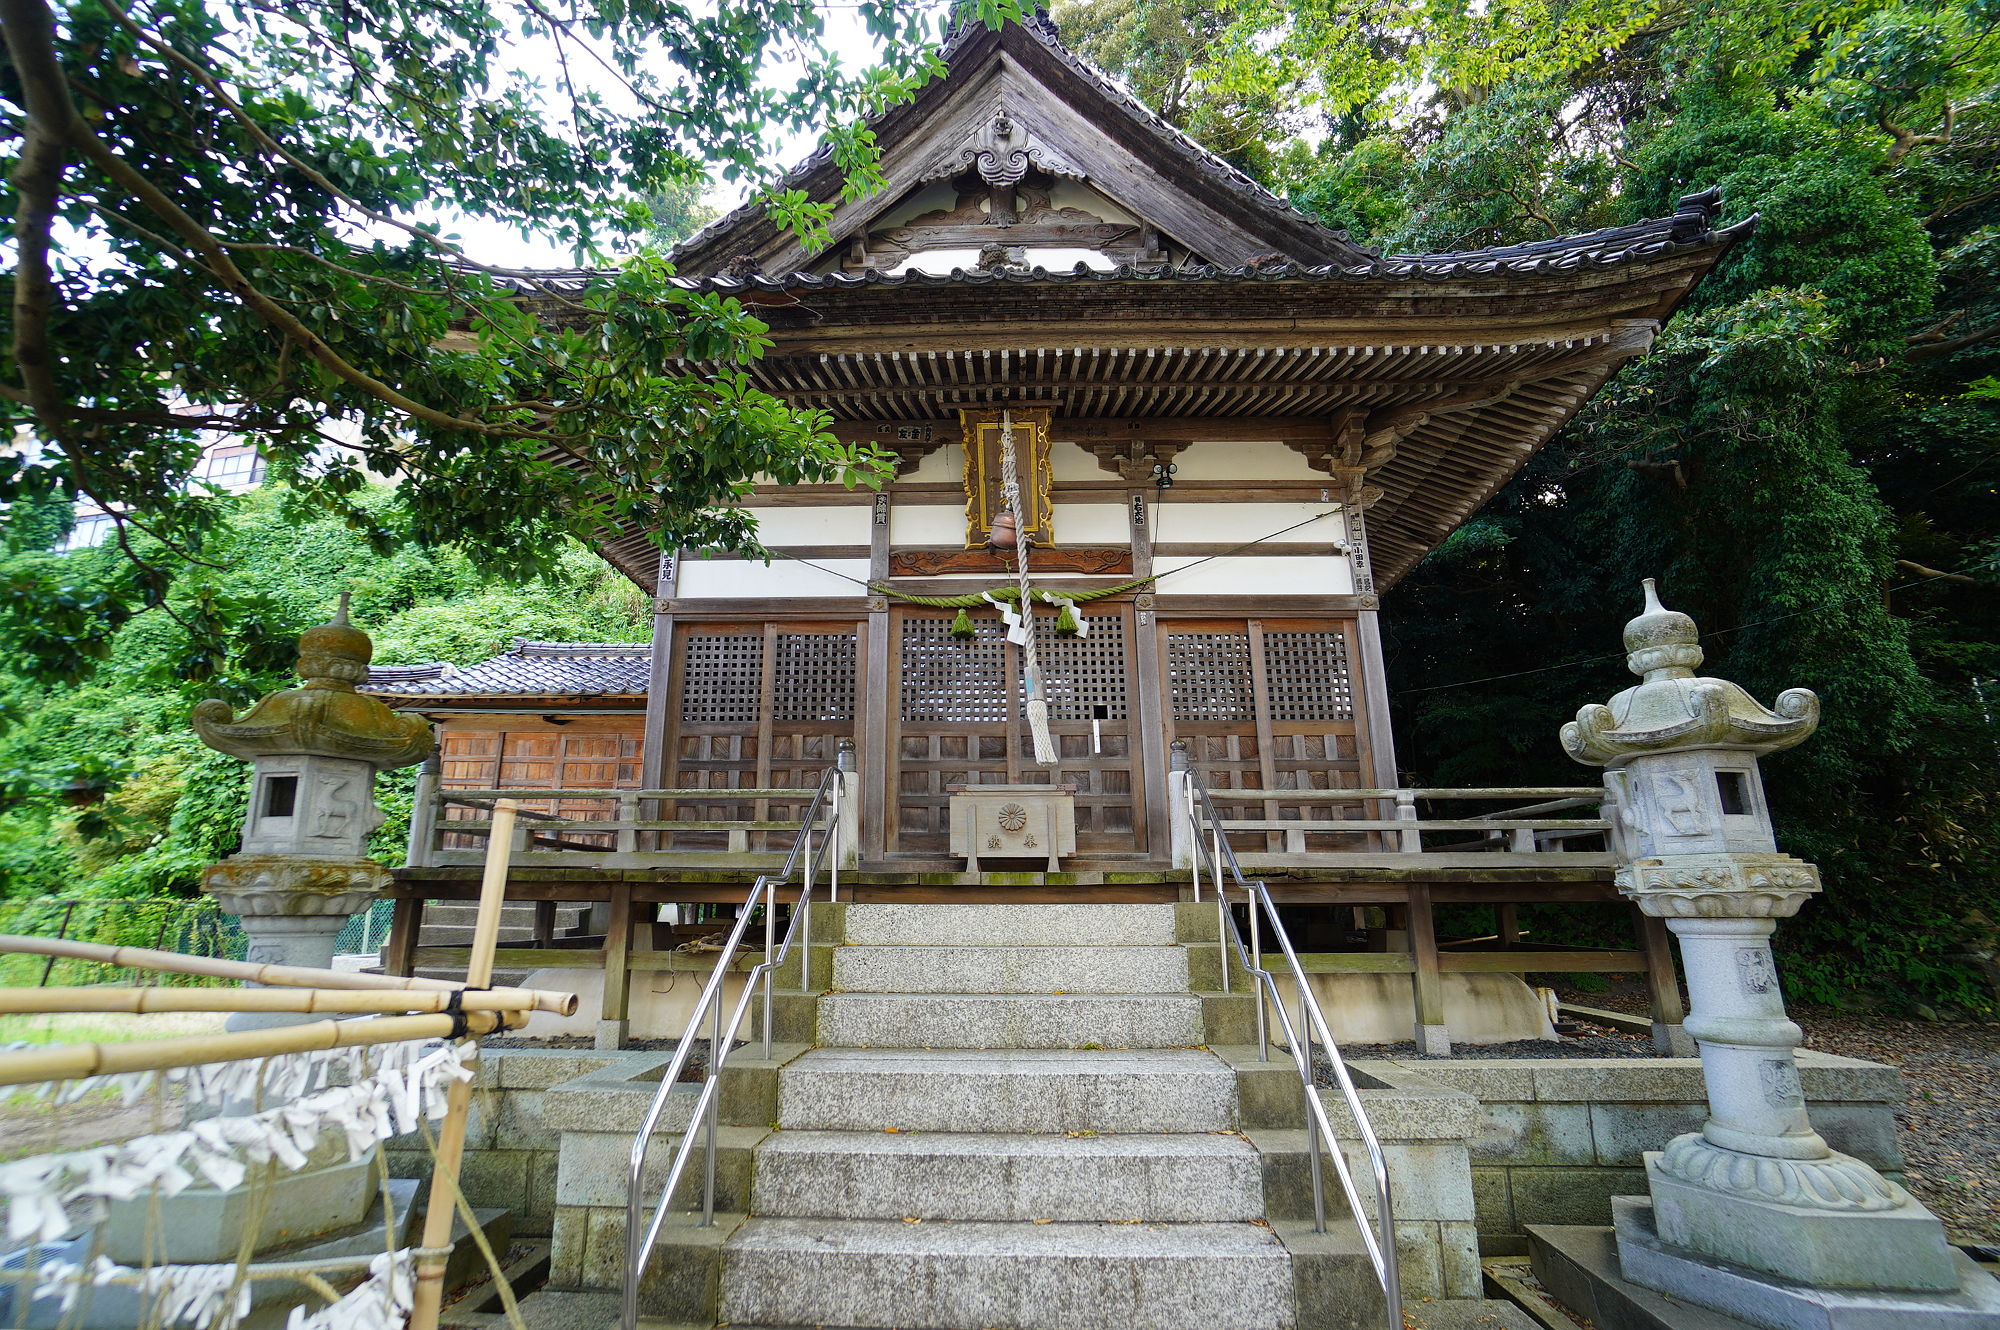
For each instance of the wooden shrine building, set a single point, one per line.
(1240, 424)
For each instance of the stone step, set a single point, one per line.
(934, 1175)
(501, 978)
(982, 1276)
(1012, 925)
(1005, 1020)
(460, 935)
(869, 1089)
(1010, 969)
(518, 915)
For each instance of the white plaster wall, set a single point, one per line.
(1244, 461)
(821, 524)
(1377, 1008)
(943, 464)
(726, 579)
(1092, 524)
(926, 524)
(1072, 461)
(659, 1007)
(1246, 575)
(1076, 524)
(1067, 193)
(1237, 522)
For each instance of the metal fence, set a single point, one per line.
(192, 927)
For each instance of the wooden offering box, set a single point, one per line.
(1012, 822)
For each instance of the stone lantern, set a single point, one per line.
(313, 752)
(1756, 1193)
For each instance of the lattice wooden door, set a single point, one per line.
(757, 706)
(959, 720)
(1266, 704)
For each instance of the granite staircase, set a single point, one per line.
(1031, 1117)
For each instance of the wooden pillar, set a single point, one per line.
(654, 760)
(877, 679)
(1507, 923)
(1427, 978)
(1374, 700)
(406, 921)
(1662, 986)
(545, 922)
(1148, 718)
(614, 1014)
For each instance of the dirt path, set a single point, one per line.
(32, 1126)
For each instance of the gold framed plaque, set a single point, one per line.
(985, 495)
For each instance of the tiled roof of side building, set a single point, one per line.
(527, 669)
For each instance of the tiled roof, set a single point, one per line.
(1192, 156)
(527, 669)
(1690, 227)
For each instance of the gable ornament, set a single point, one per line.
(1001, 150)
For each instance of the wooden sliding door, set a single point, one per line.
(758, 705)
(1267, 704)
(957, 716)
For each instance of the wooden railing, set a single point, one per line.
(1319, 826)
(634, 828)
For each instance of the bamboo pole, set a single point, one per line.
(173, 962)
(427, 1298)
(350, 1001)
(61, 1062)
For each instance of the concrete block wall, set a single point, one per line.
(1555, 1140)
(1423, 1130)
(510, 1150)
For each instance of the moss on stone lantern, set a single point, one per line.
(314, 752)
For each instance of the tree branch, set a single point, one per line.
(1936, 576)
(30, 32)
(1931, 349)
(256, 131)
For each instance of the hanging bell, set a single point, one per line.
(1003, 534)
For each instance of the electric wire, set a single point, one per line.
(1719, 632)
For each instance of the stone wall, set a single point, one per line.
(1555, 1140)
(1423, 1131)
(510, 1151)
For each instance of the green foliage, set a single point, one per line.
(1812, 442)
(1162, 48)
(218, 219)
(173, 806)
(679, 209)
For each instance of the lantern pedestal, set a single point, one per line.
(1754, 1215)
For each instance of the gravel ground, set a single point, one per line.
(1949, 1124)
(697, 1064)
(1590, 1041)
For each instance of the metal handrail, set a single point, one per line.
(827, 797)
(1214, 850)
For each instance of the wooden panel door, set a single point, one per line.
(1266, 704)
(757, 706)
(959, 718)
(542, 756)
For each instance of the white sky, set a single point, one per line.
(490, 242)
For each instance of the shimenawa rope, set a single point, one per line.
(1023, 631)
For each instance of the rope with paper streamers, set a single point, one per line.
(1067, 622)
(1020, 612)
